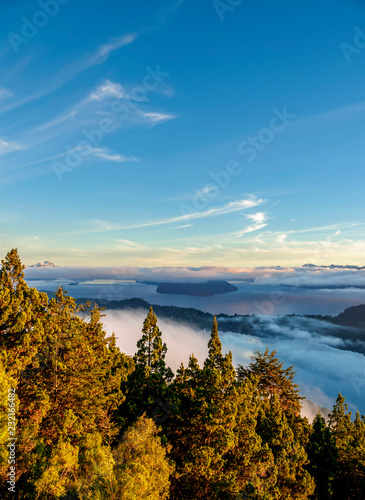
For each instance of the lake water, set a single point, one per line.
(249, 299)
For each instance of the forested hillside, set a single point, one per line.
(94, 423)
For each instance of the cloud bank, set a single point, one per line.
(321, 369)
(298, 277)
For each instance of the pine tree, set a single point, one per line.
(322, 457)
(67, 375)
(290, 459)
(349, 438)
(273, 380)
(21, 316)
(8, 429)
(147, 386)
(213, 431)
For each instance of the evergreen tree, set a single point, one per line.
(21, 316)
(213, 432)
(273, 380)
(322, 457)
(349, 437)
(234, 435)
(67, 375)
(147, 386)
(290, 459)
(7, 427)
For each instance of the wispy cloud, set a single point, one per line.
(56, 121)
(71, 70)
(129, 245)
(260, 221)
(9, 147)
(99, 56)
(107, 89)
(233, 206)
(91, 105)
(281, 238)
(101, 225)
(183, 226)
(335, 115)
(108, 155)
(331, 227)
(206, 190)
(5, 93)
(152, 118)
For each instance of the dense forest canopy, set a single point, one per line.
(93, 423)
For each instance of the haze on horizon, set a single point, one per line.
(176, 134)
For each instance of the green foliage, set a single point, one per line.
(292, 479)
(223, 433)
(215, 445)
(349, 438)
(148, 384)
(21, 316)
(142, 469)
(322, 457)
(273, 380)
(94, 479)
(56, 478)
(6, 386)
(67, 374)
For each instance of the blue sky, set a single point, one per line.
(174, 134)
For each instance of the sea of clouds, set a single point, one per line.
(312, 277)
(322, 370)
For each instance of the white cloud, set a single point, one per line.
(206, 190)
(5, 93)
(101, 225)
(129, 245)
(99, 56)
(105, 90)
(315, 361)
(251, 229)
(300, 277)
(153, 118)
(316, 278)
(259, 219)
(330, 227)
(233, 206)
(56, 121)
(105, 50)
(181, 227)
(8, 147)
(106, 154)
(181, 340)
(108, 89)
(73, 69)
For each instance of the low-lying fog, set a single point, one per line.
(322, 369)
